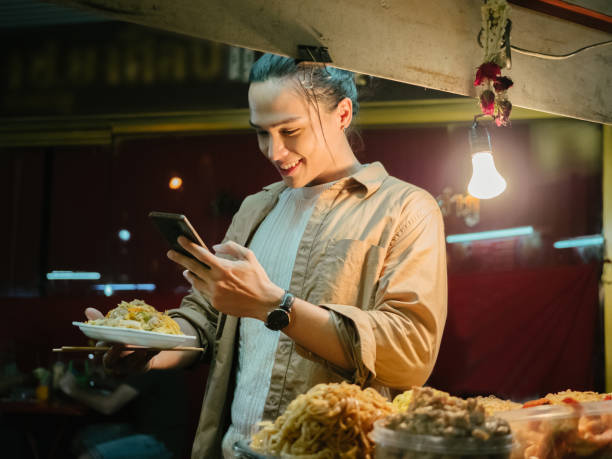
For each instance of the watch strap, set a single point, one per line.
(277, 322)
(287, 301)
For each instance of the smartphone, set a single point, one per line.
(171, 226)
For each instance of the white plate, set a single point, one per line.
(135, 337)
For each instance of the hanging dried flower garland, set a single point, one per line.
(494, 37)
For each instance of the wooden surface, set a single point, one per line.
(430, 44)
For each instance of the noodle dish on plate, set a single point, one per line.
(137, 323)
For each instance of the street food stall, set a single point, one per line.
(534, 377)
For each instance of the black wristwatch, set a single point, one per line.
(279, 318)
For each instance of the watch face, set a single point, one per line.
(277, 319)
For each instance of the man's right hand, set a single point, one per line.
(117, 360)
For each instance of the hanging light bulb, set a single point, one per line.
(486, 182)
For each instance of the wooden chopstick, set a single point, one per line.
(106, 348)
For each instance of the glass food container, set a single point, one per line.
(392, 444)
(242, 450)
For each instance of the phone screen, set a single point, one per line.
(171, 226)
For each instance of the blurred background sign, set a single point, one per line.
(115, 68)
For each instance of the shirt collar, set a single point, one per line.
(369, 178)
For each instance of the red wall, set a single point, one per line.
(95, 191)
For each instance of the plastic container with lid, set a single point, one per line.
(570, 430)
(392, 444)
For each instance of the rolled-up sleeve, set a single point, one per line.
(196, 310)
(399, 338)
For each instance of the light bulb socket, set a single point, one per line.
(480, 140)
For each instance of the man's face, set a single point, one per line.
(290, 133)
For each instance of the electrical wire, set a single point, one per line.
(557, 57)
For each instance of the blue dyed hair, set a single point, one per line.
(323, 83)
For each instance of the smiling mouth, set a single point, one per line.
(288, 169)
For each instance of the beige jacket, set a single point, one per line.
(373, 253)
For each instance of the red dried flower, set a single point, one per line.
(502, 83)
(487, 102)
(487, 71)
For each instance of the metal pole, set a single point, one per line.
(606, 278)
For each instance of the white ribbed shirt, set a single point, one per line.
(275, 244)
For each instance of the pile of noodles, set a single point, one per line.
(139, 315)
(329, 421)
